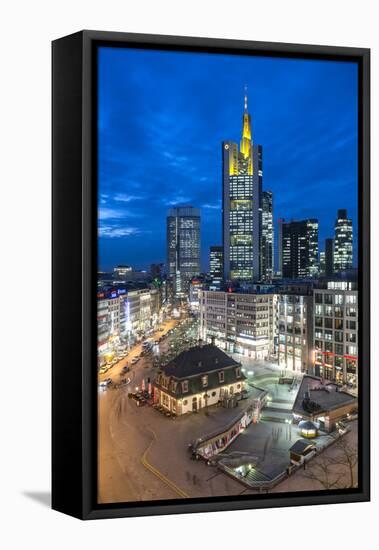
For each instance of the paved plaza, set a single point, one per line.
(160, 464)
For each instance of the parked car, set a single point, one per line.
(106, 383)
(103, 369)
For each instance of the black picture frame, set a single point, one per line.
(74, 203)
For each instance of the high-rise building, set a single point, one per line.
(329, 264)
(280, 247)
(183, 247)
(242, 184)
(300, 249)
(322, 263)
(216, 265)
(343, 242)
(267, 237)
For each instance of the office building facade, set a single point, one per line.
(239, 322)
(321, 270)
(299, 249)
(343, 242)
(329, 264)
(336, 332)
(216, 267)
(295, 330)
(125, 316)
(183, 248)
(267, 237)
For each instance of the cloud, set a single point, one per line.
(177, 200)
(122, 197)
(214, 206)
(106, 213)
(113, 232)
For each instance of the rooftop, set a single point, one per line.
(301, 446)
(198, 360)
(323, 396)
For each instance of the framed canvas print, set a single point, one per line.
(210, 275)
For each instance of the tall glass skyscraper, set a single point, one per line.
(242, 184)
(216, 261)
(300, 249)
(267, 237)
(343, 242)
(183, 247)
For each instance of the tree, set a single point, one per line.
(336, 467)
(347, 457)
(321, 471)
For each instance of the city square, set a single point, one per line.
(161, 465)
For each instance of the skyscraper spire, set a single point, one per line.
(246, 141)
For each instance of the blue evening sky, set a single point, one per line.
(162, 118)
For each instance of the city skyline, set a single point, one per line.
(181, 143)
(196, 168)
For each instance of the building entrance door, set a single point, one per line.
(194, 404)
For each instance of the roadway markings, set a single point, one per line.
(159, 474)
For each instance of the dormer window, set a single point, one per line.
(204, 380)
(185, 386)
(238, 372)
(221, 376)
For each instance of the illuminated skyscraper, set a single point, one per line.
(343, 242)
(322, 263)
(280, 246)
(216, 267)
(300, 249)
(267, 237)
(242, 184)
(183, 247)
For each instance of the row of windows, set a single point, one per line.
(338, 349)
(338, 299)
